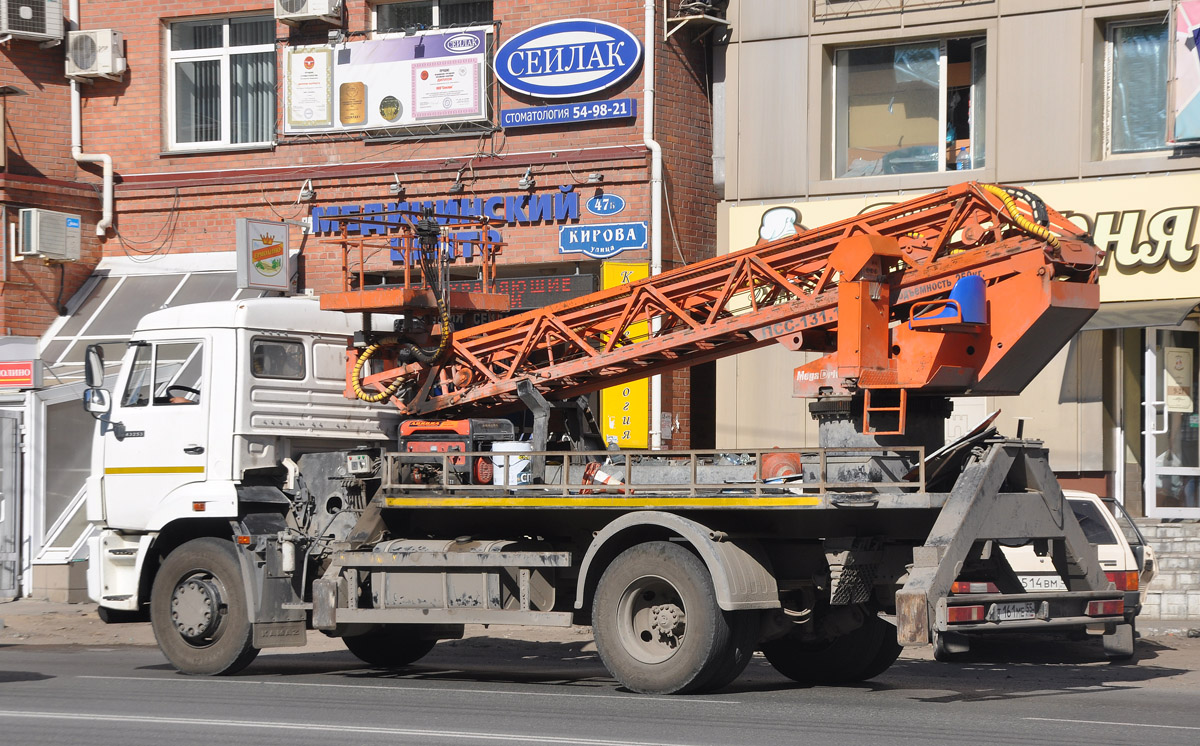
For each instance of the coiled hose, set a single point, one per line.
(427, 231)
(1027, 225)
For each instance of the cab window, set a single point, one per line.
(165, 374)
(277, 358)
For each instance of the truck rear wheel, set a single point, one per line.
(658, 627)
(198, 609)
(862, 654)
(390, 645)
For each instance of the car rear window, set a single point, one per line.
(1092, 521)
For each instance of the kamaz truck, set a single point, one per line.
(360, 466)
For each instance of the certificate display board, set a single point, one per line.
(431, 78)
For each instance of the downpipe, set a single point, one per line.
(656, 435)
(106, 200)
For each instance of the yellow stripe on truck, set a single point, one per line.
(154, 470)
(591, 501)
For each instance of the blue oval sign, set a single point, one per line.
(462, 43)
(606, 204)
(567, 58)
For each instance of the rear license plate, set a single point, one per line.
(1042, 583)
(1013, 611)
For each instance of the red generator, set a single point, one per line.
(456, 436)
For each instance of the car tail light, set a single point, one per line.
(1105, 608)
(959, 614)
(962, 586)
(1124, 581)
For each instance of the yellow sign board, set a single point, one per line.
(625, 409)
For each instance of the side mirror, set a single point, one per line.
(96, 401)
(94, 366)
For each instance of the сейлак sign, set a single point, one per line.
(572, 57)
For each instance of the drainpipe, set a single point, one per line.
(650, 36)
(77, 153)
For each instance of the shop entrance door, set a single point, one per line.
(10, 503)
(1172, 422)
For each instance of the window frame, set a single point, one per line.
(977, 131)
(435, 24)
(1107, 85)
(223, 55)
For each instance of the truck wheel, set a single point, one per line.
(859, 655)
(198, 609)
(390, 645)
(657, 624)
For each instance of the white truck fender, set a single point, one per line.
(740, 570)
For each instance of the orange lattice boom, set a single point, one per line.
(873, 291)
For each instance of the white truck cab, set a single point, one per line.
(211, 399)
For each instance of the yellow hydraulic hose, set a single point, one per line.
(356, 378)
(1027, 225)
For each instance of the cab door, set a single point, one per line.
(156, 436)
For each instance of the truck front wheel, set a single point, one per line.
(198, 609)
(390, 645)
(658, 627)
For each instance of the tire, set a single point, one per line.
(743, 639)
(390, 645)
(657, 624)
(862, 654)
(198, 609)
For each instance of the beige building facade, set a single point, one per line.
(833, 108)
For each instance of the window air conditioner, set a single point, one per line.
(40, 20)
(292, 12)
(49, 234)
(97, 53)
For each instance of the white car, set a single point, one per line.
(1124, 555)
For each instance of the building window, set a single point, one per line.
(1136, 103)
(416, 15)
(910, 108)
(221, 81)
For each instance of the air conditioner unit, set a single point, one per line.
(97, 53)
(49, 234)
(32, 19)
(292, 12)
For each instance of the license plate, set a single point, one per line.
(1042, 583)
(1013, 611)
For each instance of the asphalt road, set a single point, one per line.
(487, 690)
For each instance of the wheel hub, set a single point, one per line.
(195, 608)
(653, 620)
(667, 621)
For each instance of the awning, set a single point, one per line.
(1141, 313)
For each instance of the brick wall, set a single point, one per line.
(41, 173)
(1174, 594)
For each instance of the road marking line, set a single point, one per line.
(1105, 722)
(128, 720)
(381, 688)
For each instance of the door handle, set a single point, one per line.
(194, 450)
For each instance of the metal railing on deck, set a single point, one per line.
(751, 473)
